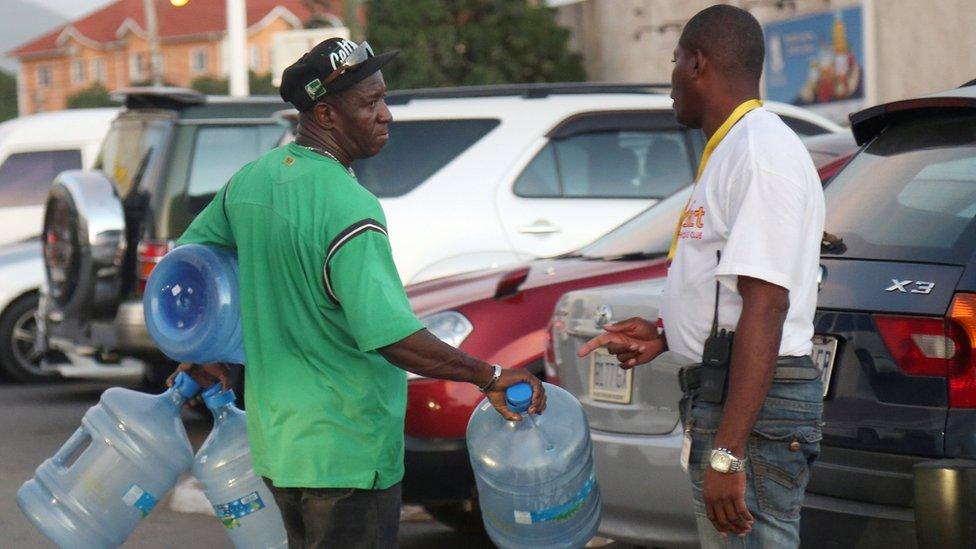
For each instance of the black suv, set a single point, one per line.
(898, 308)
(165, 157)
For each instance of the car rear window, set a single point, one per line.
(416, 150)
(219, 151)
(130, 149)
(910, 195)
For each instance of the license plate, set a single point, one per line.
(824, 352)
(608, 381)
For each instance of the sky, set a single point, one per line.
(71, 8)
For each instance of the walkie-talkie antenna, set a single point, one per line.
(718, 255)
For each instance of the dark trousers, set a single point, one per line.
(339, 517)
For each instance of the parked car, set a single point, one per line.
(504, 174)
(495, 174)
(164, 158)
(501, 315)
(34, 149)
(895, 335)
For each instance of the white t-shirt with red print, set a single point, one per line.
(760, 202)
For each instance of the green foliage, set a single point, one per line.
(91, 97)
(210, 85)
(258, 84)
(471, 42)
(8, 96)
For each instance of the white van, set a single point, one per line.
(34, 149)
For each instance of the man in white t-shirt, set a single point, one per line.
(744, 259)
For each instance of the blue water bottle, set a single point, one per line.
(129, 451)
(192, 305)
(241, 501)
(536, 483)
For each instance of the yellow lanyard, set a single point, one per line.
(713, 142)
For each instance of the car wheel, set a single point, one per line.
(462, 516)
(18, 332)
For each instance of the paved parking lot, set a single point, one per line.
(36, 419)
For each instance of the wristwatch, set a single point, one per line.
(722, 461)
(494, 379)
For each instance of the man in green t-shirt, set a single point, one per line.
(325, 315)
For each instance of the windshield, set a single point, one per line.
(909, 196)
(130, 147)
(647, 234)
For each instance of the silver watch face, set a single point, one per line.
(721, 461)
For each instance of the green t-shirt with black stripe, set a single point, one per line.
(319, 295)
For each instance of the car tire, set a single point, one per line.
(18, 331)
(461, 516)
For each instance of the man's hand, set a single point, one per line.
(725, 502)
(508, 378)
(204, 374)
(633, 341)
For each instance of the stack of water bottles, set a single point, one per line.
(132, 447)
(536, 482)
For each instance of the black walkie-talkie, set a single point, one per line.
(716, 357)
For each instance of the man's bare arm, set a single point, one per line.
(754, 353)
(423, 354)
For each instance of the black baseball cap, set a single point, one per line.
(307, 80)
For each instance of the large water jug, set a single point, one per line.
(192, 305)
(127, 454)
(240, 498)
(536, 483)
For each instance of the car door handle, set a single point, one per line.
(539, 227)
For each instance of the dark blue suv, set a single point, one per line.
(896, 326)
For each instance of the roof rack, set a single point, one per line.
(528, 91)
(163, 97)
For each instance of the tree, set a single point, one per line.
(91, 97)
(471, 42)
(8, 96)
(210, 85)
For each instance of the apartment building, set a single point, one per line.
(111, 47)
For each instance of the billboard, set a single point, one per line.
(817, 61)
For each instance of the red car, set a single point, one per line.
(501, 316)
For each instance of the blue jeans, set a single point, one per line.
(780, 452)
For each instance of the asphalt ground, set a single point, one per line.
(35, 420)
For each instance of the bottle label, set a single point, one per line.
(142, 500)
(231, 512)
(563, 511)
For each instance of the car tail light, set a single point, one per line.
(962, 371)
(919, 345)
(150, 253)
(941, 347)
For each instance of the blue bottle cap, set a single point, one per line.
(215, 397)
(185, 385)
(519, 397)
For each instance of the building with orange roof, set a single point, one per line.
(110, 46)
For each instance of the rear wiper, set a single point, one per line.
(832, 244)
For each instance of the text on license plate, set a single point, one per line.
(608, 381)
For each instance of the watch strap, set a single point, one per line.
(494, 379)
